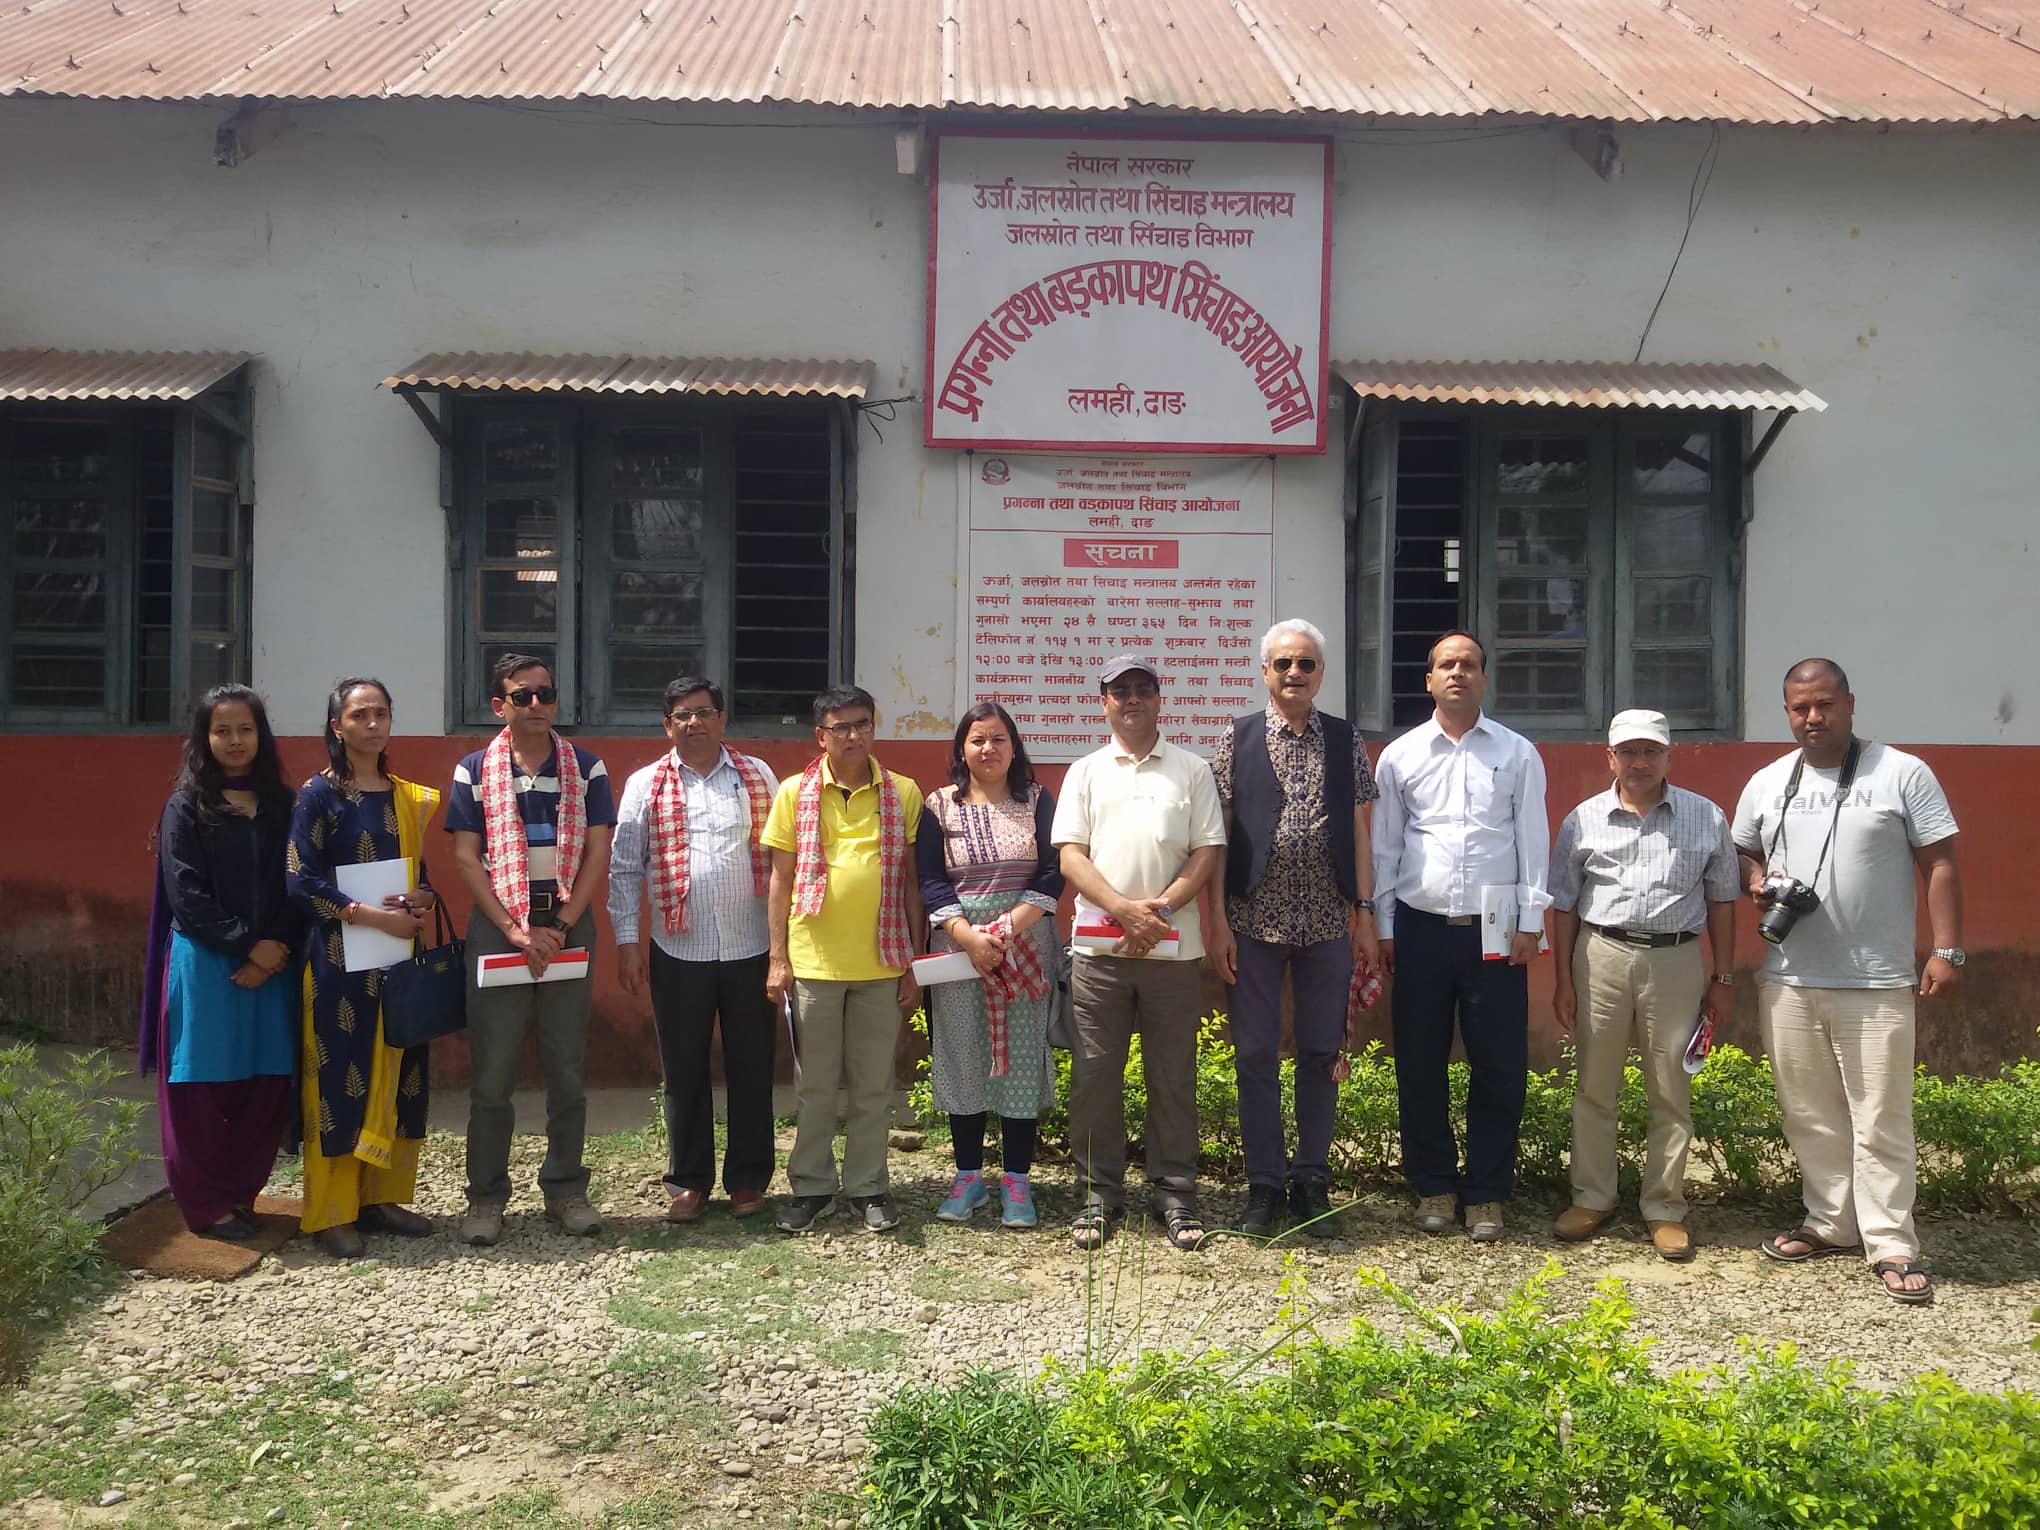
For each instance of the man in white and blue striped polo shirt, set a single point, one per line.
(1642, 867)
(527, 698)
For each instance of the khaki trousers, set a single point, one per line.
(1843, 1060)
(1648, 998)
(848, 1034)
(1111, 997)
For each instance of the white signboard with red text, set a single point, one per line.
(1068, 560)
(1128, 293)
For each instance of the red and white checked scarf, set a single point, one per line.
(1364, 992)
(811, 867)
(509, 861)
(667, 821)
(1020, 975)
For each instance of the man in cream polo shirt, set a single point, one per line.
(1141, 832)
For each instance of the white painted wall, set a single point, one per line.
(1894, 274)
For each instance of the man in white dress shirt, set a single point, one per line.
(687, 833)
(1461, 809)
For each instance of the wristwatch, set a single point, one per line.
(1954, 956)
(1725, 979)
(1165, 911)
(1366, 905)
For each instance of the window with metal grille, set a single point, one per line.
(626, 544)
(125, 532)
(1591, 551)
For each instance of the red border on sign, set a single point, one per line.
(1221, 448)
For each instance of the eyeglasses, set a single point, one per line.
(692, 714)
(1142, 690)
(1283, 665)
(850, 729)
(523, 696)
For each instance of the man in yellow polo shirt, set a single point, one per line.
(845, 915)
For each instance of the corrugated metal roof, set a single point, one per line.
(529, 373)
(1768, 61)
(1581, 384)
(45, 376)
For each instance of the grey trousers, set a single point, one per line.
(497, 1019)
(848, 1034)
(1112, 997)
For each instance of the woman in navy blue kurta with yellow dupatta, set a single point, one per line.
(364, 1101)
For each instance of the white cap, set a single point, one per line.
(1639, 724)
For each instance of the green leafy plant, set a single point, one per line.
(63, 1138)
(1522, 1418)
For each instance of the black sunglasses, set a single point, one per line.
(1283, 665)
(544, 695)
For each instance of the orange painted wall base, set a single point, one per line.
(74, 882)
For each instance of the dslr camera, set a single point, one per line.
(1788, 898)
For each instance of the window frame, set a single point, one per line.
(590, 424)
(226, 406)
(1612, 500)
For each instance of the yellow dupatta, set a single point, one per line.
(377, 1145)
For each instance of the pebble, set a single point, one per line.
(127, 1385)
(184, 1479)
(735, 1468)
(111, 1497)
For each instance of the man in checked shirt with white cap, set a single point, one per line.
(1637, 871)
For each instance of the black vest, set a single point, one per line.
(1257, 805)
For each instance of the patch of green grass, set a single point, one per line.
(479, 1303)
(864, 1349)
(948, 1283)
(656, 1510)
(310, 1469)
(651, 1386)
(750, 1290)
(434, 1401)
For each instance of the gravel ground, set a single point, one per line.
(736, 1366)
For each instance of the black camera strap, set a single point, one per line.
(1847, 779)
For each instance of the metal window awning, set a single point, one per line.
(1581, 384)
(1591, 385)
(527, 373)
(52, 376)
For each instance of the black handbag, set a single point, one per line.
(426, 997)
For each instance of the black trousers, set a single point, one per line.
(1440, 976)
(687, 997)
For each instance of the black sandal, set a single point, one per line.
(1184, 1228)
(1094, 1226)
(1902, 1268)
(1817, 1247)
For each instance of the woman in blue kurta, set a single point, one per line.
(364, 1100)
(217, 1017)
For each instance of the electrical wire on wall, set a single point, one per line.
(1703, 177)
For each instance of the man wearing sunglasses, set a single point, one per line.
(1298, 880)
(691, 831)
(531, 817)
(1140, 832)
(845, 918)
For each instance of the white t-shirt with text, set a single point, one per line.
(1861, 936)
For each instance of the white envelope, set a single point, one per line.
(368, 884)
(948, 967)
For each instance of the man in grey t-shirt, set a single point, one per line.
(1854, 822)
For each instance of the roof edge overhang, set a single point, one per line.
(1582, 384)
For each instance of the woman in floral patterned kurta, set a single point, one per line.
(364, 1101)
(990, 878)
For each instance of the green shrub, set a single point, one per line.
(1979, 1137)
(1520, 1419)
(62, 1138)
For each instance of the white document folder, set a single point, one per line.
(945, 967)
(368, 884)
(505, 969)
(1498, 922)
